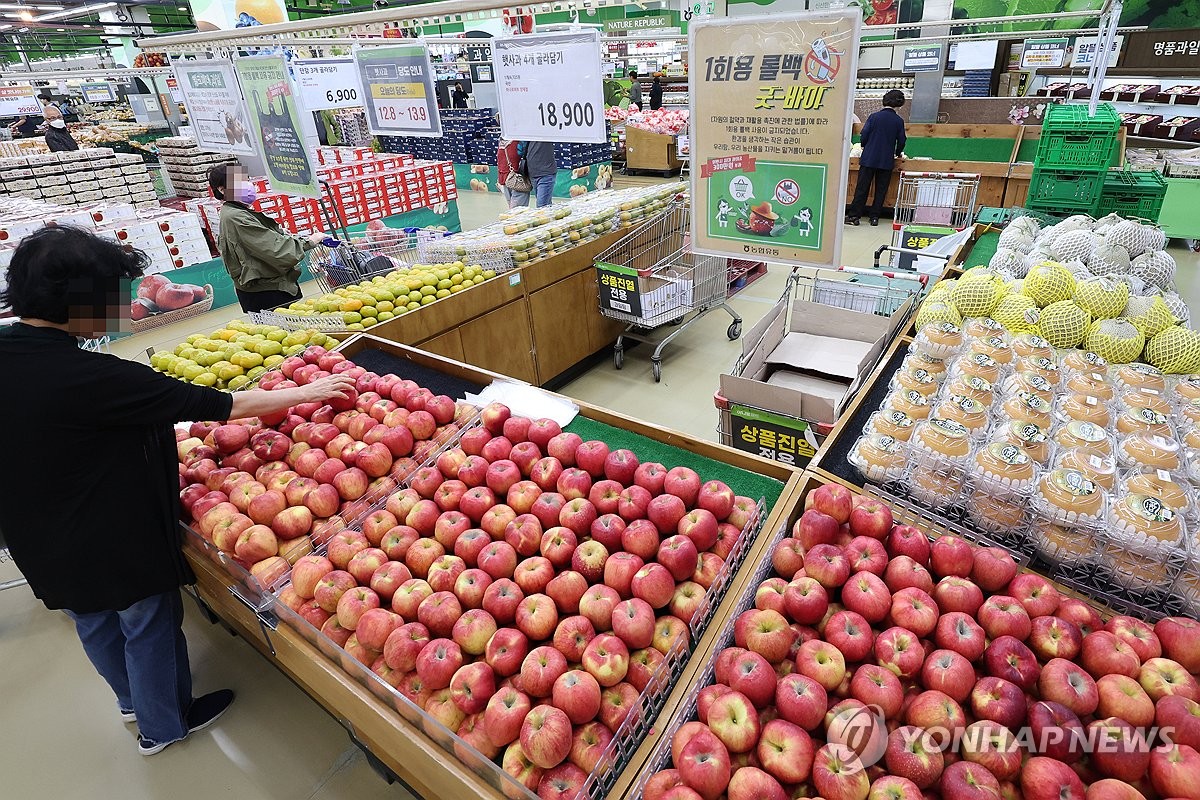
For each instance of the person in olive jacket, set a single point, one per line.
(261, 257)
(100, 540)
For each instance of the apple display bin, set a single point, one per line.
(619, 759)
(257, 595)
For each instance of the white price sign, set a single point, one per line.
(536, 103)
(327, 83)
(18, 100)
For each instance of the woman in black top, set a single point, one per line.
(101, 541)
(656, 90)
(459, 96)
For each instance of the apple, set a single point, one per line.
(837, 774)
(951, 556)
(912, 753)
(827, 563)
(619, 570)
(964, 780)
(408, 598)
(1057, 731)
(1035, 593)
(866, 594)
(537, 617)
(1044, 778)
(546, 736)
(578, 515)
(914, 610)
(1137, 634)
(548, 509)
(653, 584)
(589, 558)
(801, 700)
(993, 569)
(577, 693)
(1122, 696)
(438, 612)
(540, 670)
(900, 651)
(892, 787)
(833, 499)
(1063, 682)
(330, 588)
(752, 783)
(607, 659)
(1180, 641)
(607, 530)
(875, 685)
(633, 622)
(307, 572)
(641, 538)
(353, 605)
(999, 700)
(589, 744)
(506, 651)
(494, 416)
(504, 714)
(1110, 789)
(872, 519)
(906, 540)
(852, 636)
(597, 605)
(534, 574)
(805, 600)
(948, 672)
(1119, 750)
(472, 632)
(958, 632)
(362, 565)
(566, 589)
(572, 636)
(937, 713)
(616, 704)
(990, 744)
(558, 546)
(1007, 657)
(1052, 637)
(1102, 653)
(823, 662)
(1162, 677)
(866, 555)
(709, 567)
(633, 503)
(666, 510)
(563, 447)
(650, 476)
(815, 527)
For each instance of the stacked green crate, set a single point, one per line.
(1136, 195)
(1074, 154)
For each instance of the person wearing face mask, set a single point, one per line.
(262, 259)
(58, 138)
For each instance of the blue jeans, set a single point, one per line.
(142, 654)
(543, 187)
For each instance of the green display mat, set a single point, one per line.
(1028, 150)
(743, 482)
(982, 252)
(959, 149)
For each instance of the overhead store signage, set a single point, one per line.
(1085, 51)
(97, 92)
(644, 23)
(327, 83)
(276, 123)
(1162, 49)
(397, 86)
(479, 54)
(536, 102)
(1044, 53)
(18, 100)
(922, 58)
(974, 55)
(225, 15)
(771, 106)
(218, 113)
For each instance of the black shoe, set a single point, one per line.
(874, 222)
(208, 709)
(852, 221)
(149, 747)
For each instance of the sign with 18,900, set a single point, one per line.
(536, 104)
(398, 91)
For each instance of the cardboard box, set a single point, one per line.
(645, 150)
(810, 365)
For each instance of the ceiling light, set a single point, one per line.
(22, 6)
(78, 11)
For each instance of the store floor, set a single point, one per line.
(63, 737)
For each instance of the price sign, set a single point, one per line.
(397, 90)
(97, 92)
(536, 104)
(327, 83)
(18, 100)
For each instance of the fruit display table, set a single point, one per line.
(413, 744)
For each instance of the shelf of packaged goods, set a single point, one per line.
(426, 757)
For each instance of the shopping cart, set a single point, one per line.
(651, 278)
(930, 205)
(795, 439)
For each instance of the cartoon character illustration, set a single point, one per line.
(803, 221)
(723, 212)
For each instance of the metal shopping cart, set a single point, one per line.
(793, 439)
(651, 278)
(930, 205)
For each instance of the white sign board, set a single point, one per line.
(974, 55)
(19, 100)
(1044, 53)
(537, 101)
(327, 83)
(1085, 51)
(397, 87)
(216, 107)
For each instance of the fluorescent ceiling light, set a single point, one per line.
(78, 11)
(22, 7)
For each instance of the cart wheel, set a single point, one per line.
(1194, 245)
(656, 367)
(618, 357)
(676, 321)
(734, 330)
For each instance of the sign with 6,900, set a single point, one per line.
(536, 104)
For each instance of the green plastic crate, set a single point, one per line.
(1068, 190)
(1137, 194)
(1072, 140)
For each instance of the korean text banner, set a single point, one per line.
(771, 110)
(215, 106)
(397, 87)
(19, 100)
(276, 123)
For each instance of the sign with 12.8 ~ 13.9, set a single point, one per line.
(397, 87)
(536, 103)
(771, 104)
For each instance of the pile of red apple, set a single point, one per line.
(878, 665)
(526, 589)
(267, 490)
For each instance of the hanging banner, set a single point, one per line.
(19, 100)
(397, 87)
(1085, 50)
(97, 92)
(1044, 53)
(219, 118)
(647, 22)
(771, 101)
(536, 103)
(276, 124)
(922, 58)
(327, 83)
(224, 15)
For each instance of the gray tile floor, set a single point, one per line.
(62, 737)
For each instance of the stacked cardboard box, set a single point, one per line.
(77, 177)
(187, 165)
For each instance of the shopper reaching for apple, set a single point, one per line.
(108, 554)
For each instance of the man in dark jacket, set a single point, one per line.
(882, 140)
(656, 94)
(101, 540)
(541, 168)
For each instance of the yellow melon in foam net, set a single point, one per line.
(977, 295)
(1175, 350)
(1118, 341)
(1018, 313)
(1049, 282)
(1064, 324)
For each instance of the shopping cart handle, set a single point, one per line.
(329, 241)
(885, 248)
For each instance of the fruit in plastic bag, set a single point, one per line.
(1064, 324)
(1118, 341)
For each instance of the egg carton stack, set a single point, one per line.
(187, 165)
(1091, 469)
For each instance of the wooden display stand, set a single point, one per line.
(407, 751)
(532, 323)
(654, 152)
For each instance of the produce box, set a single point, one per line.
(612, 762)
(1136, 195)
(653, 151)
(1051, 189)
(1070, 139)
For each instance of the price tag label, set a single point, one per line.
(18, 100)
(536, 103)
(397, 90)
(327, 83)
